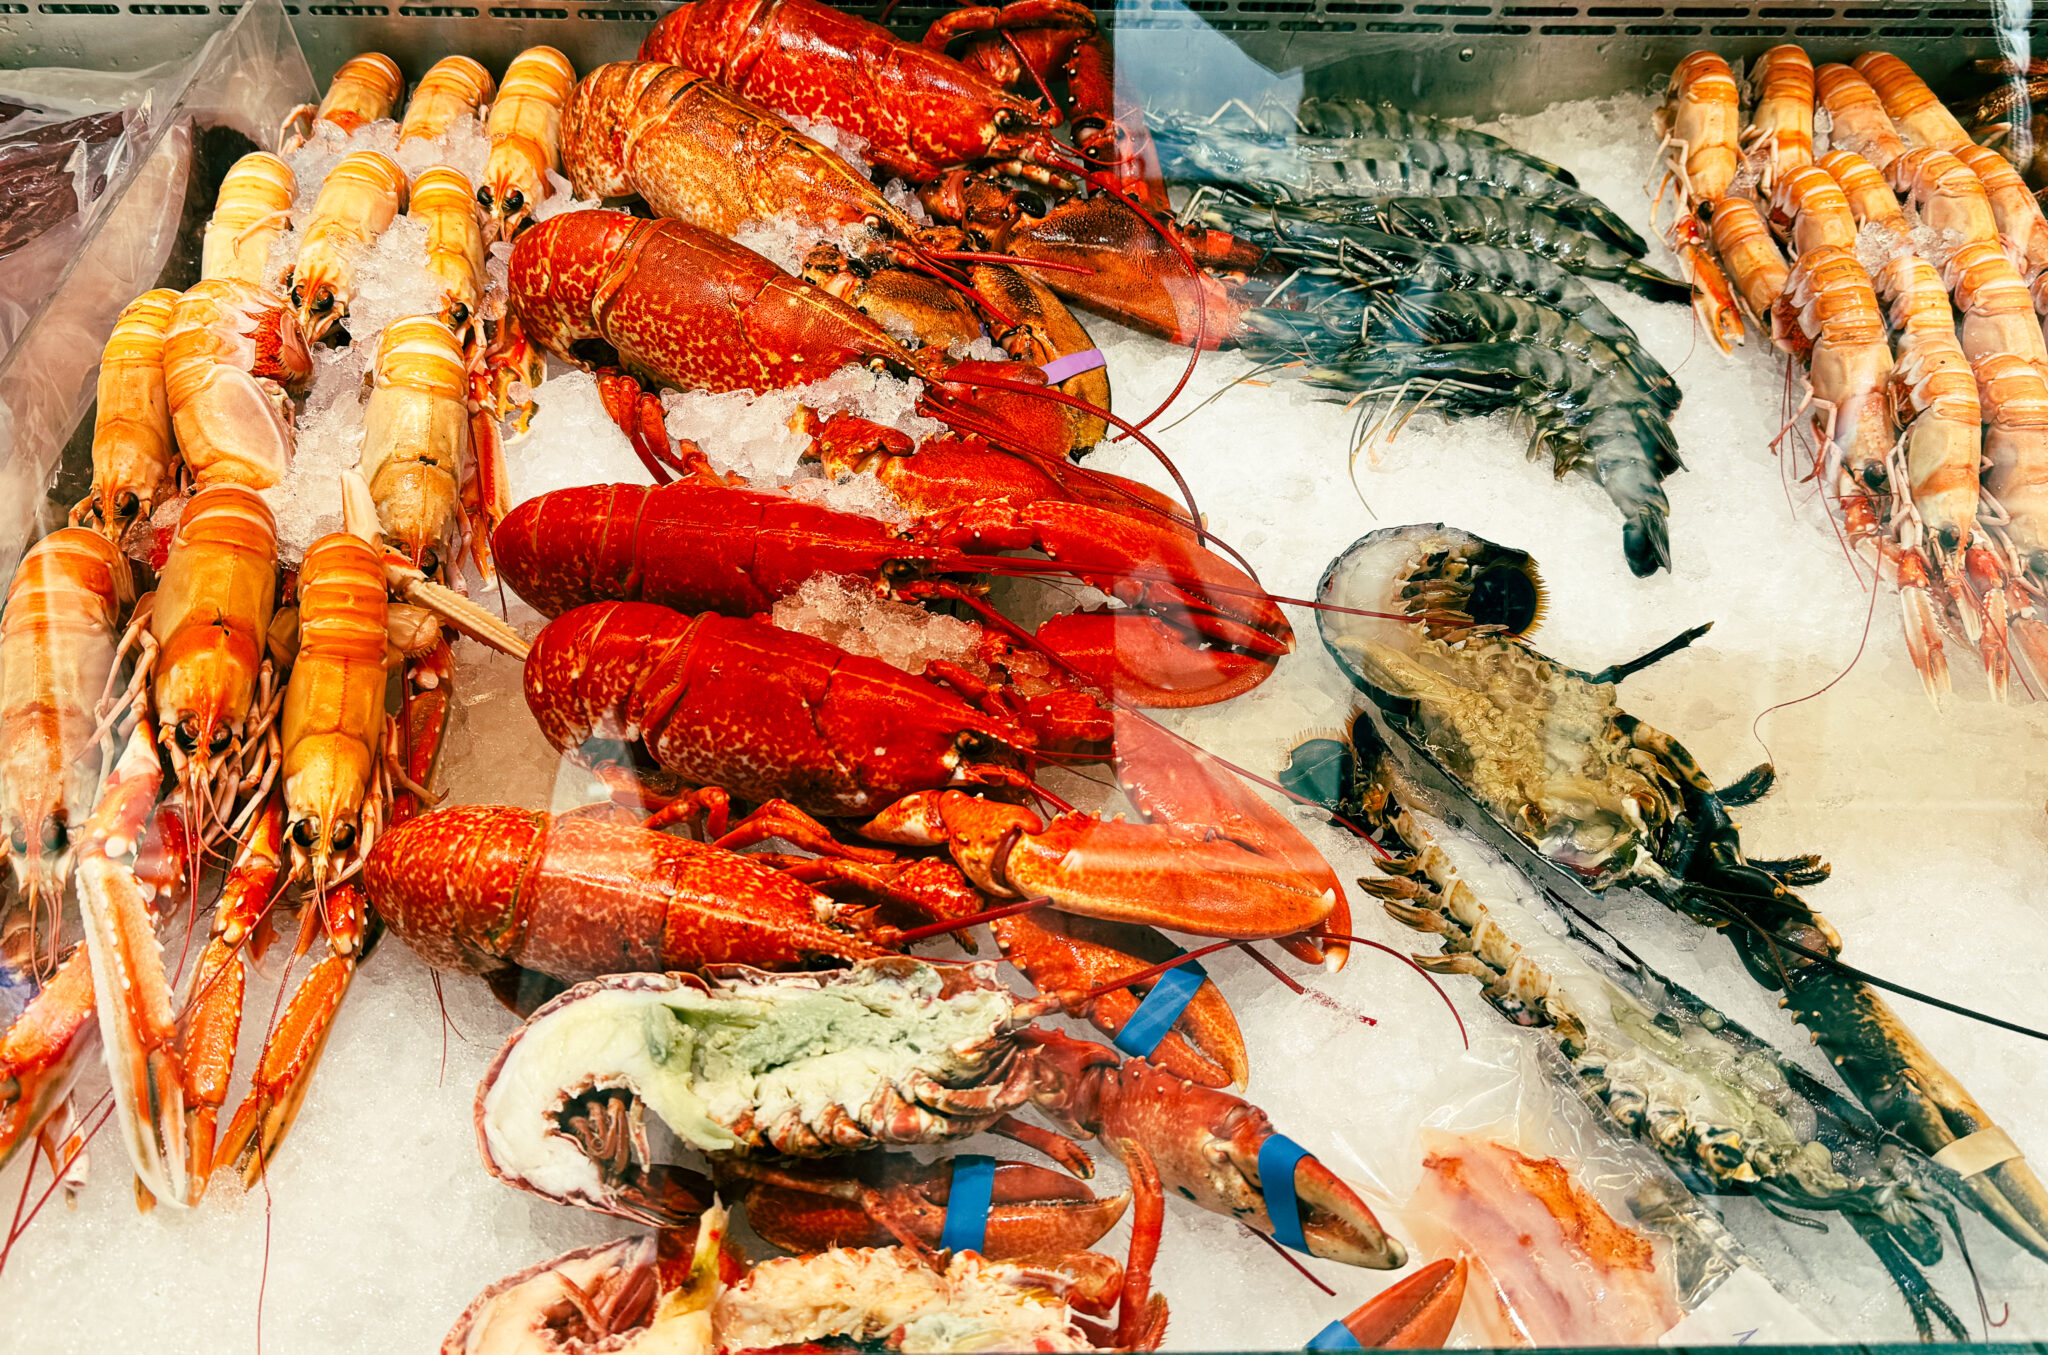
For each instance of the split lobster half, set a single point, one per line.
(752, 1067)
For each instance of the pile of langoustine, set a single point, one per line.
(1914, 296)
(204, 722)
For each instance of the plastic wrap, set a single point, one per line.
(183, 123)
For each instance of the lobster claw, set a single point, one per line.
(1168, 778)
(881, 1199)
(1069, 954)
(1206, 1145)
(1164, 875)
(1233, 630)
(1413, 1314)
(137, 1022)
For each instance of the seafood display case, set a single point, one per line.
(1200, 674)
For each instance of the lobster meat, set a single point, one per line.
(685, 1291)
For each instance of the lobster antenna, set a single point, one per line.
(1015, 566)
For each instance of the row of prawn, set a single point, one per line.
(267, 721)
(1914, 295)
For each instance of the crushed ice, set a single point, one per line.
(387, 1124)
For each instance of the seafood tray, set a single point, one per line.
(686, 774)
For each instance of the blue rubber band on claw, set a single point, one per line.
(1336, 1336)
(967, 1202)
(1278, 1157)
(1162, 1006)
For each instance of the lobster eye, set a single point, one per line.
(1030, 204)
(186, 735)
(19, 840)
(125, 502)
(344, 837)
(1010, 122)
(483, 196)
(55, 835)
(514, 200)
(974, 743)
(297, 300)
(323, 303)
(304, 831)
(220, 740)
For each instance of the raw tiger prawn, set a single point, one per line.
(1506, 223)
(1605, 410)
(1474, 711)
(1279, 168)
(1728, 1113)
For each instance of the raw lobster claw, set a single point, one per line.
(882, 1199)
(136, 1020)
(1167, 875)
(1208, 1147)
(1413, 1314)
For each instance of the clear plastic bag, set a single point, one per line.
(136, 226)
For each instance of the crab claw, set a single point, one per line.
(1413, 1314)
(137, 1022)
(1206, 1145)
(1182, 878)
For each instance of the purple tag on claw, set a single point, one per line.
(1073, 364)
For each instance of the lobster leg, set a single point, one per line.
(213, 1023)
